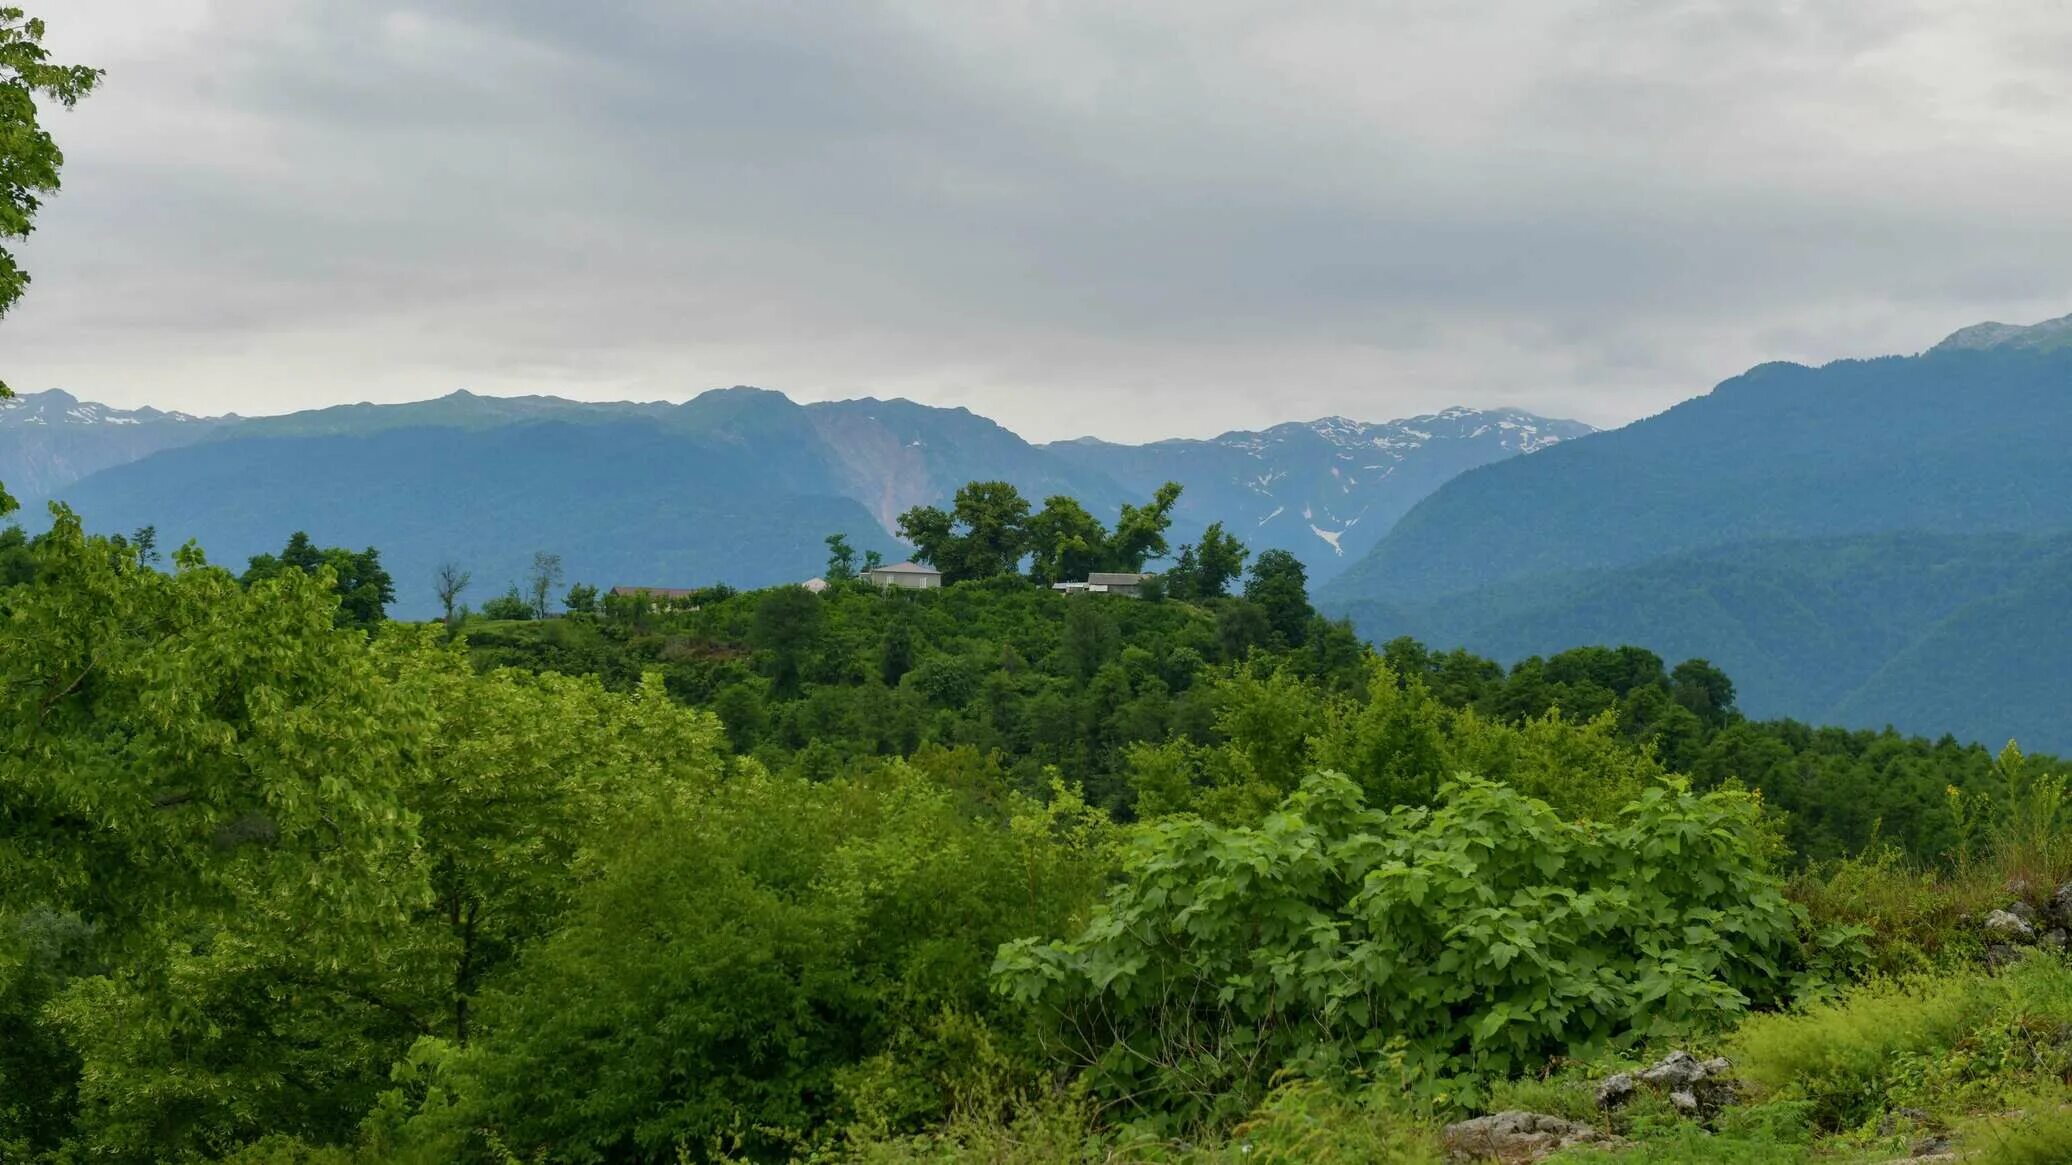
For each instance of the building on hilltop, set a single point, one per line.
(1106, 582)
(658, 598)
(911, 575)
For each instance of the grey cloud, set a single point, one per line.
(1132, 220)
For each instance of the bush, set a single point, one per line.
(1954, 1043)
(509, 605)
(1471, 941)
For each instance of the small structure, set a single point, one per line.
(658, 598)
(816, 585)
(655, 594)
(911, 575)
(1116, 583)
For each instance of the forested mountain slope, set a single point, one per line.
(1932, 633)
(1955, 441)
(1872, 541)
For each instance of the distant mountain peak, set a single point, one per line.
(2041, 337)
(57, 407)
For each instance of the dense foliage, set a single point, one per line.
(778, 873)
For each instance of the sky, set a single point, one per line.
(1160, 218)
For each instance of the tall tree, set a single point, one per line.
(581, 599)
(995, 518)
(364, 589)
(841, 559)
(543, 581)
(29, 158)
(1065, 542)
(1140, 531)
(932, 532)
(450, 582)
(983, 534)
(1280, 587)
(1219, 560)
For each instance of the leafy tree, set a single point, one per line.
(841, 559)
(203, 740)
(29, 158)
(510, 606)
(933, 534)
(1140, 531)
(1280, 587)
(984, 534)
(364, 589)
(17, 562)
(542, 582)
(145, 541)
(995, 518)
(1066, 542)
(1219, 560)
(581, 599)
(830, 964)
(1704, 689)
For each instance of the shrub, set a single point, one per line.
(1471, 941)
(1954, 1043)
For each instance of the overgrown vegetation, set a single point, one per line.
(984, 873)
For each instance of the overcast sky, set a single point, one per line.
(1132, 219)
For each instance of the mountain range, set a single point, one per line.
(1872, 541)
(737, 485)
(1868, 542)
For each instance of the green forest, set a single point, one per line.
(988, 872)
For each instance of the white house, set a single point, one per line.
(911, 575)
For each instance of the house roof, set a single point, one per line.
(905, 568)
(656, 592)
(1101, 578)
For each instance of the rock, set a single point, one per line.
(1616, 1090)
(1514, 1137)
(1684, 1101)
(2059, 906)
(1675, 1071)
(2023, 911)
(2000, 954)
(1717, 1066)
(2007, 927)
(2019, 887)
(1936, 1146)
(2056, 938)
